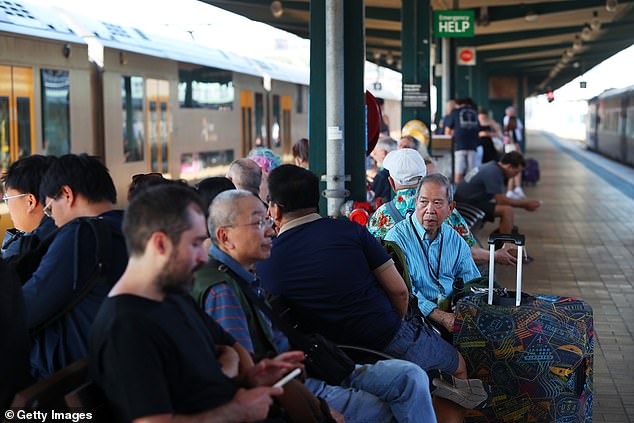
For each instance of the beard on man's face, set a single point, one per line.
(176, 277)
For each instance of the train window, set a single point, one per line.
(275, 126)
(260, 123)
(206, 88)
(629, 121)
(55, 112)
(205, 163)
(300, 99)
(133, 122)
(5, 157)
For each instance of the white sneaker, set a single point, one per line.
(519, 192)
(512, 195)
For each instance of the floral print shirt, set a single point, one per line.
(405, 202)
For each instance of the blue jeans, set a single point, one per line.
(417, 343)
(388, 391)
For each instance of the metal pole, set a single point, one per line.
(335, 159)
(446, 64)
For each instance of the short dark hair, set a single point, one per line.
(83, 174)
(209, 188)
(514, 158)
(294, 188)
(160, 208)
(300, 149)
(25, 175)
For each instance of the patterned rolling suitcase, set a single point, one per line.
(535, 351)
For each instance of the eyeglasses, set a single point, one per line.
(6, 197)
(47, 209)
(262, 223)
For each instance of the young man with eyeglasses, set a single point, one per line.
(21, 195)
(242, 234)
(74, 187)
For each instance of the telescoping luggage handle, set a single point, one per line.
(518, 240)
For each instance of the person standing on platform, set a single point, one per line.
(380, 184)
(463, 125)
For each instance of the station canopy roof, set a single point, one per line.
(550, 42)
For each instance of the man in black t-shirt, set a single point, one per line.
(153, 352)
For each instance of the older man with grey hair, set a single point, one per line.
(242, 232)
(245, 174)
(436, 254)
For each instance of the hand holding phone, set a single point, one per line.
(289, 376)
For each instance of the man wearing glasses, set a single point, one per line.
(74, 187)
(21, 195)
(242, 234)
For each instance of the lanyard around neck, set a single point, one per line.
(435, 275)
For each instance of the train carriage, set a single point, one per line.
(144, 102)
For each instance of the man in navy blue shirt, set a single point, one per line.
(73, 186)
(463, 124)
(340, 282)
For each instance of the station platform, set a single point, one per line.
(582, 240)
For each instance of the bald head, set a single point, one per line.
(245, 174)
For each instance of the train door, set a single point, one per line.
(246, 122)
(158, 118)
(17, 129)
(286, 125)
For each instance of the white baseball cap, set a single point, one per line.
(406, 166)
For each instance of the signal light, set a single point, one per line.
(551, 96)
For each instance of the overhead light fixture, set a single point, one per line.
(376, 55)
(568, 53)
(389, 59)
(611, 5)
(577, 44)
(595, 23)
(575, 65)
(277, 10)
(531, 16)
(483, 18)
(586, 33)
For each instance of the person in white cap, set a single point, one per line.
(406, 167)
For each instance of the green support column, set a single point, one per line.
(354, 98)
(415, 43)
(317, 94)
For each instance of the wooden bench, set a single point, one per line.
(49, 393)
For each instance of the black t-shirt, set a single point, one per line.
(464, 122)
(154, 357)
(489, 153)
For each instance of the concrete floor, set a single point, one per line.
(582, 239)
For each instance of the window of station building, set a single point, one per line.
(206, 88)
(133, 118)
(205, 163)
(55, 112)
(300, 99)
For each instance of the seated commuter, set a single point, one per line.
(245, 174)
(74, 187)
(21, 194)
(380, 184)
(484, 188)
(301, 151)
(242, 234)
(436, 254)
(340, 281)
(267, 160)
(155, 354)
(408, 168)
